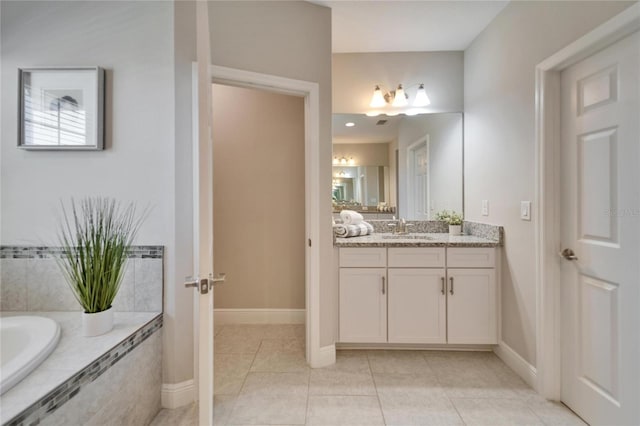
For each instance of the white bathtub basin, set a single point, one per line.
(25, 341)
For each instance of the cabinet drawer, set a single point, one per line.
(416, 257)
(375, 257)
(471, 257)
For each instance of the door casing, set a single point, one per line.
(411, 199)
(313, 191)
(547, 193)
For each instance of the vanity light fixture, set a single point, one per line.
(421, 99)
(398, 99)
(377, 100)
(343, 161)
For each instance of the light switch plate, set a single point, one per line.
(485, 207)
(525, 210)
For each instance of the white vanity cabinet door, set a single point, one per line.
(472, 306)
(363, 305)
(417, 304)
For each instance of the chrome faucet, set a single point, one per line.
(400, 227)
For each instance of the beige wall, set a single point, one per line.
(259, 196)
(288, 39)
(499, 137)
(356, 74)
(364, 154)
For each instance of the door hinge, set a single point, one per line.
(309, 242)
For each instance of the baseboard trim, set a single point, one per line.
(326, 357)
(259, 316)
(414, 347)
(176, 395)
(526, 371)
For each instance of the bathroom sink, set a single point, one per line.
(406, 237)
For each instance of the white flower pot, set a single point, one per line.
(455, 229)
(98, 323)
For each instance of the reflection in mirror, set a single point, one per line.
(409, 163)
(361, 185)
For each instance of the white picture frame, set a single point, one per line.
(61, 108)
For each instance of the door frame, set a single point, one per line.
(313, 191)
(411, 202)
(547, 191)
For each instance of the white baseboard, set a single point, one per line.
(326, 357)
(259, 316)
(176, 395)
(526, 371)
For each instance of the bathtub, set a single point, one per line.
(26, 341)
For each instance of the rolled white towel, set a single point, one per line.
(345, 231)
(349, 217)
(340, 230)
(369, 227)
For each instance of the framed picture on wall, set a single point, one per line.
(61, 108)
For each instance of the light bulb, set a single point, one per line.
(373, 113)
(421, 97)
(399, 100)
(335, 161)
(377, 100)
(343, 161)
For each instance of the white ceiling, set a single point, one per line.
(365, 129)
(408, 26)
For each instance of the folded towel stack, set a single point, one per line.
(349, 217)
(348, 230)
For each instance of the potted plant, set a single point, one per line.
(453, 219)
(96, 239)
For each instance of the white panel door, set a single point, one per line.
(203, 221)
(472, 306)
(601, 226)
(363, 305)
(417, 304)
(418, 157)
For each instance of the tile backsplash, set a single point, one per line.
(30, 280)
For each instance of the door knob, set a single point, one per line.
(192, 282)
(568, 254)
(222, 277)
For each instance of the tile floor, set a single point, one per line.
(261, 377)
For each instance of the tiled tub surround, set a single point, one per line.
(475, 235)
(30, 280)
(114, 378)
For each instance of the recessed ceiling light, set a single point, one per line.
(350, 124)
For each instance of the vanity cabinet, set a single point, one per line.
(363, 305)
(418, 295)
(417, 306)
(471, 306)
(472, 295)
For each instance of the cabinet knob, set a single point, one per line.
(442, 286)
(383, 285)
(451, 287)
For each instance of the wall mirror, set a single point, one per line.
(412, 165)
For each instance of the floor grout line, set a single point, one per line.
(375, 385)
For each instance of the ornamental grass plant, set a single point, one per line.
(96, 236)
(450, 217)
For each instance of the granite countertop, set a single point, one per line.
(416, 240)
(73, 353)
